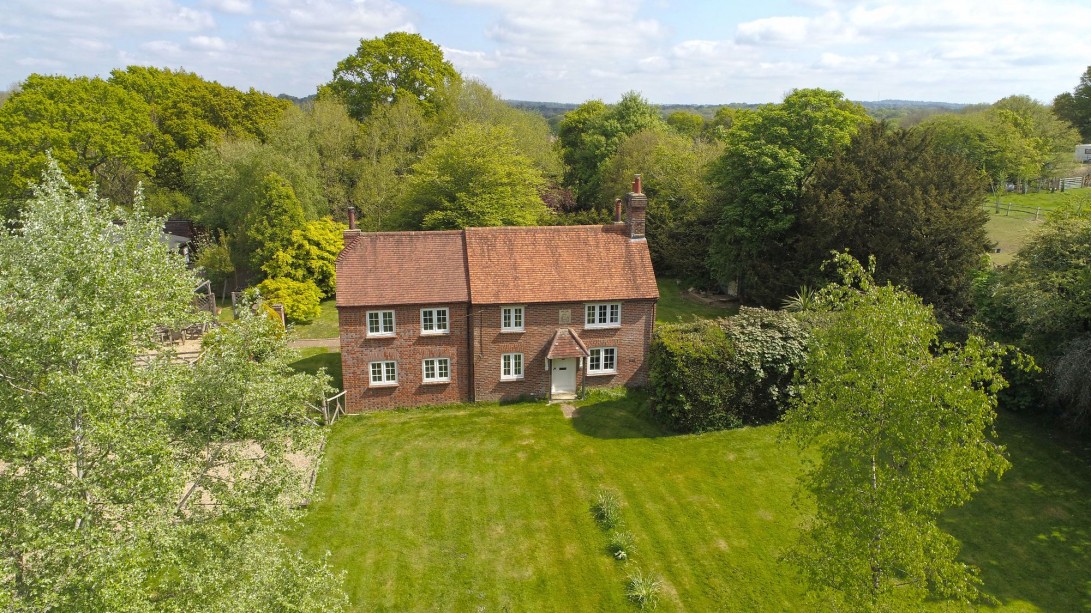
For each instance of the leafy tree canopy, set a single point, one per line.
(892, 457)
(770, 155)
(471, 178)
(896, 196)
(96, 132)
(277, 214)
(383, 69)
(1075, 106)
(591, 133)
(190, 113)
(134, 483)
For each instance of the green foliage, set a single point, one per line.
(895, 195)
(643, 590)
(276, 215)
(1042, 302)
(191, 113)
(1075, 106)
(214, 258)
(97, 132)
(606, 509)
(301, 299)
(473, 177)
(894, 455)
(591, 133)
(770, 156)
(394, 66)
(711, 375)
(621, 545)
(311, 255)
(687, 124)
(681, 215)
(131, 482)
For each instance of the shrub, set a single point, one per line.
(711, 375)
(622, 544)
(643, 590)
(607, 509)
(300, 299)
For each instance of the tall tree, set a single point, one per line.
(473, 177)
(191, 113)
(97, 132)
(893, 455)
(129, 482)
(384, 69)
(591, 133)
(896, 196)
(681, 212)
(276, 215)
(1075, 106)
(769, 158)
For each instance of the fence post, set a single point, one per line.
(1009, 209)
(1036, 212)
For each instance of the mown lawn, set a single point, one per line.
(1011, 227)
(487, 508)
(674, 307)
(314, 358)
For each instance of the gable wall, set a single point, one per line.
(409, 349)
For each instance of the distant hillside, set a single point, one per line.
(880, 109)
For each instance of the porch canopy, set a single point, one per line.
(567, 344)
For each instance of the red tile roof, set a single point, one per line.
(495, 266)
(389, 268)
(567, 344)
(557, 264)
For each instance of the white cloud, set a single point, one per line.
(208, 43)
(235, 7)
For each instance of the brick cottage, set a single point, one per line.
(495, 313)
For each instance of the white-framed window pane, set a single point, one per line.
(602, 314)
(615, 313)
(429, 369)
(590, 318)
(391, 371)
(441, 320)
(507, 318)
(596, 360)
(518, 315)
(427, 320)
(517, 359)
(376, 372)
(373, 324)
(609, 359)
(443, 368)
(388, 322)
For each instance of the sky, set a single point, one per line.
(672, 52)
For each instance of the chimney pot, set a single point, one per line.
(637, 187)
(352, 217)
(617, 211)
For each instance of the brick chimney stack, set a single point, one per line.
(636, 206)
(352, 231)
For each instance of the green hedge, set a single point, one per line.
(725, 373)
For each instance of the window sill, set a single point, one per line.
(444, 333)
(437, 382)
(601, 373)
(382, 385)
(512, 330)
(601, 326)
(390, 335)
(507, 379)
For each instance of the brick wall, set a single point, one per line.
(541, 322)
(408, 348)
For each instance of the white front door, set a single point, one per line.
(564, 377)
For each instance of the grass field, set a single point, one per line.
(487, 508)
(1011, 227)
(674, 307)
(314, 358)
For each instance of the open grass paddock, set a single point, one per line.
(488, 508)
